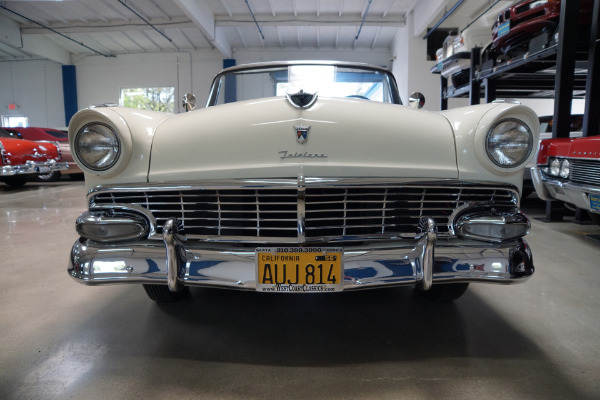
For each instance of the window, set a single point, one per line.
(15, 121)
(152, 98)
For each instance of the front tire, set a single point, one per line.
(445, 293)
(162, 294)
(14, 181)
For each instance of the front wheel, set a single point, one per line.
(162, 294)
(49, 177)
(445, 293)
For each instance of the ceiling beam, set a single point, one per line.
(10, 33)
(398, 20)
(199, 12)
(41, 46)
(115, 25)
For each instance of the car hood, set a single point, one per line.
(345, 138)
(18, 151)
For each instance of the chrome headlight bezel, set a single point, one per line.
(112, 146)
(501, 140)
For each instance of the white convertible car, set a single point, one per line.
(303, 177)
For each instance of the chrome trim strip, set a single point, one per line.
(32, 167)
(292, 183)
(538, 184)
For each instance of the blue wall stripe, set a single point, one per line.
(69, 91)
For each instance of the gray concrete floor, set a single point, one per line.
(62, 340)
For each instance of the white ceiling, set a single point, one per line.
(79, 28)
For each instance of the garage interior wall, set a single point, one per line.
(35, 87)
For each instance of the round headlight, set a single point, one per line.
(565, 169)
(97, 146)
(554, 167)
(509, 143)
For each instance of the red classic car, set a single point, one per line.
(569, 170)
(53, 135)
(23, 160)
(517, 25)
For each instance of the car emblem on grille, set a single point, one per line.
(302, 99)
(301, 133)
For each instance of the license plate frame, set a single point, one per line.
(299, 269)
(504, 28)
(594, 202)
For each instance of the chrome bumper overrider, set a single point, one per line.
(31, 167)
(554, 189)
(423, 261)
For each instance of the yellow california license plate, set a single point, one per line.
(299, 269)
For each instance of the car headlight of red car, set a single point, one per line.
(559, 167)
(97, 146)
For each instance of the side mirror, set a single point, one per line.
(188, 102)
(416, 100)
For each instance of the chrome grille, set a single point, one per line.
(585, 171)
(351, 213)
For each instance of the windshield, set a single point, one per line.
(326, 80)
(58, 134)
(10, 134)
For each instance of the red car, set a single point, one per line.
(53, 135)
(23, 160)
(517, 25)
(569, 170)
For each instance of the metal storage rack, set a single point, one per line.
(561, 71)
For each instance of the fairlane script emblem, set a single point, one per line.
(301, 99)
(284, 155)
(301, 133)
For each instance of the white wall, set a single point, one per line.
(411, 68)
(36, 88)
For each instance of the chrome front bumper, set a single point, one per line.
(31, 167)
(423, 261)
(555, 189)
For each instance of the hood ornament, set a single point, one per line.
(301, 133)
(302, 99)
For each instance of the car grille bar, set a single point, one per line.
(585, 171)
(280, 214)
